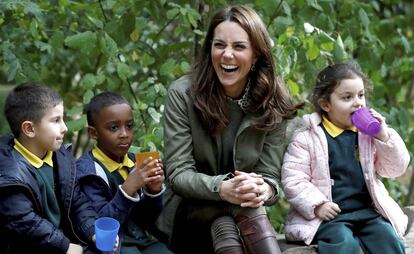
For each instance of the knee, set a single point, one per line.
(224, 233)
(339, 240)
(348, 239)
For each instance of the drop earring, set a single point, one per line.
(253, 68)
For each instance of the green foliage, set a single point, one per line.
(139, 47)
(277, 214)
(4, 127)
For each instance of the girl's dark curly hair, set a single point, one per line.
(330, 77)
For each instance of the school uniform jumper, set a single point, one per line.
(41, 209)
(135, 214)
(358, 223)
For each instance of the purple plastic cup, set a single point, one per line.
(365, 122)
(106, 230)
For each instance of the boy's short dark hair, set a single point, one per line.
(100, 101)
(29, 102)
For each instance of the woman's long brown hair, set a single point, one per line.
(269, 98)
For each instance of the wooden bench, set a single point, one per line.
(290, 248)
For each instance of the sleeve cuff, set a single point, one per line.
(154, 195)
(275, 193)
(137, 197)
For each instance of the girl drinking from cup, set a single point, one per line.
(331, 171)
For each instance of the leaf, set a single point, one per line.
(171, 13)
(154, 114)
(108, 46)
(33, 9)
(313, 52)
(56, 41)
(329, 46)
(293, 87)
(152, 146)
(142, 105)
(383, 71)
(77, 125)
(147, 60)
(134, 149)
(349, 44)
(85, 41)
(185, 67)
(364, 18)
(98, 23)
(11, 60)
(140, 23)
(43, 46)
(87, 96)
(74, 111)
(134, 56)
(99, 78)
(314, 4)
(286, 8)
(406, 44)
(167, 67)
(160, 89)
(64, 3)
(339, 51)
(199, 32)
(134, 36)
(33, 29)
(123, 70)
(88, 81)
(403, 118)
(285, 21)
(193, 17)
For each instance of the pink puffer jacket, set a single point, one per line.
(307, 184)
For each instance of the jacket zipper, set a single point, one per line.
(68, 214)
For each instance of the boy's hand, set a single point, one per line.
(116, 246)
(327, 211)
(155, 186)
(141, 176)
(74, 249)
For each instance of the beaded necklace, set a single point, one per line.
(244, 101)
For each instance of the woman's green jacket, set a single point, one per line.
(192, 156)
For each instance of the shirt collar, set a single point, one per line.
(110, 164)
(31, 158)
(334, 130)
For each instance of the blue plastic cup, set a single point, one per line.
(106, 230)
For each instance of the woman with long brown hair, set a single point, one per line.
(224, 140)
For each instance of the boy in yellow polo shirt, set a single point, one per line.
(41, 208)
(108, 176)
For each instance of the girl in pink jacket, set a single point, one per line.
(331, 173)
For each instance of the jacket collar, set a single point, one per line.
(15, 171)
(312, 120)
(12, 165)
(247, 121)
